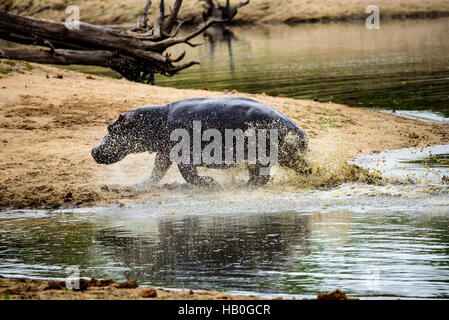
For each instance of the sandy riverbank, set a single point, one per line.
(106, 289)
(48, 126)
(28, 289)
(128, 11)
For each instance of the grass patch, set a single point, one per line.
(6, 71)
(28, 67)
(329, 122)
(347, 121)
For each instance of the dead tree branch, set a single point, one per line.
(136, 54)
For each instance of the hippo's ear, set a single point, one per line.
(124, 120)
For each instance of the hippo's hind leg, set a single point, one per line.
(190, 174)
(256, 178)
(292, 156)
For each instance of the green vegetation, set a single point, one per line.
(9, 66)
(329, 122)
(5, 71)
(28, 67)
(348, 121)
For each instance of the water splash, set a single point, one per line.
(409, 165)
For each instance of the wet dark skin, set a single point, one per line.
(148, 129)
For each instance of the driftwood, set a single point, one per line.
(136, 54)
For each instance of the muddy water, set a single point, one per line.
(372, 240)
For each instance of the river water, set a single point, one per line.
(371, 240)
(402, 66)
(389, 239)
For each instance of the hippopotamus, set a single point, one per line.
(233, 124)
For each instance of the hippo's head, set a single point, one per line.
(122, 139)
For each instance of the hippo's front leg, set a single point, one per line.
(161, 165)
(190, 174)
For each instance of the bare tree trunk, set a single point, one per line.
(137, 54)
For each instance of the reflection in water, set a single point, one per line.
(217, 251)
(220, 34)
(380, 253)
(404, 65)
(43, 247)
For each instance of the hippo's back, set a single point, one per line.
(227, 113)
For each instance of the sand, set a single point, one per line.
(49, 123)
(106, 289)
(128, 11)
(93, 289)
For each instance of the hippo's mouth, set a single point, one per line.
(102, 156)
(109, 151)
